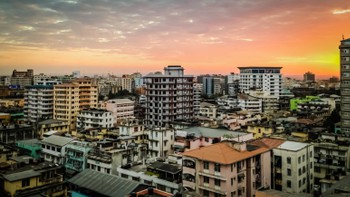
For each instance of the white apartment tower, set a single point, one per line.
(38, 103)
(267, 79)
(169, 97)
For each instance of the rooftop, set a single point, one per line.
(120, 101)
(52, 121)
(105, 184)
(269, 143)
(57, 140)
(223, 153)
(212, 133)
(292, 146)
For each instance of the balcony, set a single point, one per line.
(57, 179)
(211, 175)
(216, 189)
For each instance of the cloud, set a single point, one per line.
(341, 11)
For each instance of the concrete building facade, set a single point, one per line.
(345, 85)
(169, 97)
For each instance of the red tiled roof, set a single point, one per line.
(268, 142)
(223, 153)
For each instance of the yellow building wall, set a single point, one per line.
(259, 132)
(12, 187)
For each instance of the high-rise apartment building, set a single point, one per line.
(267, 79)
(169, 96)
(38, 103)
(345, 84)
(71, 97)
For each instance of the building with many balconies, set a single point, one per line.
(72, 97)
(169, 97)
(332, 161)
(94, 118)
(267, 79)
(345, 84)
(121, 109)
(38, 103)
(226, 169)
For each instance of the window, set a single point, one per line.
(299, 171)
(205, 193)
(217, 182)
(303, 158)
(231, 181)
(206, 165)
(299, 183)
(289, 184)
(206, 179)
(289, 172)
(289, 160)
(26, 182)
(299, 159)
(217, 167)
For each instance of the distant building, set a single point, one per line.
(169, 97)
(309, 77)
(345, 85)
(22, 78)
(38, 103)
(10, 134)
(267, 79)
(76, 155)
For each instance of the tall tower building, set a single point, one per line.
(169, 97)
(38, 103)
(345, 85)
(69, 98)
(267, 79)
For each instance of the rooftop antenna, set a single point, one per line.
(343, 36)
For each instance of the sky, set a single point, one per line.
(204, 36)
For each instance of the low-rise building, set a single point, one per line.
(94, 118)
(332, 161)
(163, 176)
(34, 178)
(208, 110)
(134, 128)
(293, 167)
(61, 126)
(10, 134)
(76, 156)
(121, 108)
(160, 141)
(30, 147)
(227, 169)
(54, 148)
(195, 137)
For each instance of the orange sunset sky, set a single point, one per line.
(211, 36)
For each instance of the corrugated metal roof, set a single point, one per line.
(106, 184)
(57, 140)
(21, 175)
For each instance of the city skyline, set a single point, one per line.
(119, 37)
